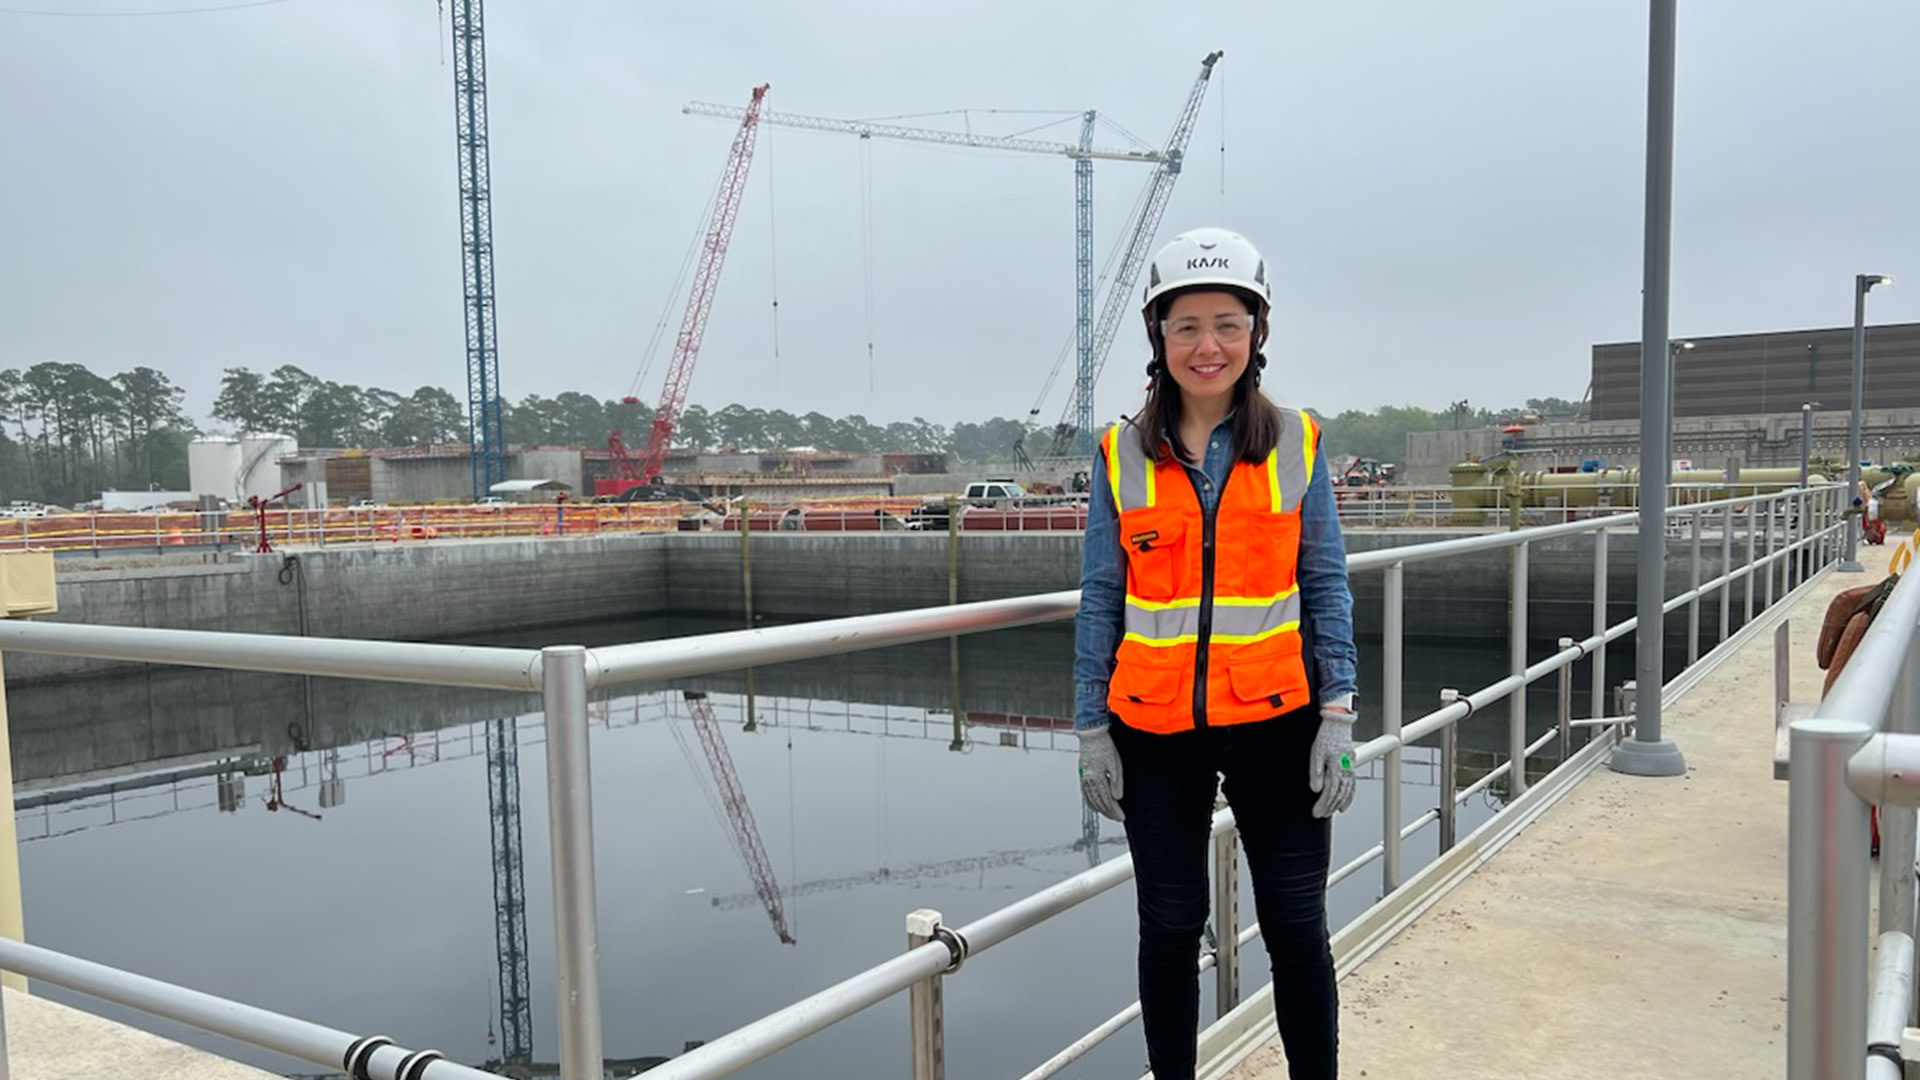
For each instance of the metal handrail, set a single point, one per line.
(236, 1020)
(565, 673)
(1859, 748)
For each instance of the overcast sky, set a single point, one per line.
(1449, 194)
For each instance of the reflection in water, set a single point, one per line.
(369, 896)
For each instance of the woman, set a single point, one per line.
(1215, 648)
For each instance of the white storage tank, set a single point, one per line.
(260, 463)
(213, 467)
(234, 469)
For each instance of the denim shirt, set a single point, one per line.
(1322, 574)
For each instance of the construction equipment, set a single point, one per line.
(746, 834)
(1073, 434)
(484, 434)
(706, 278)
(1084, 155)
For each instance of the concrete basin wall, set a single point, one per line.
(462, 590)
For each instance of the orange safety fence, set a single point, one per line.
(241, 528)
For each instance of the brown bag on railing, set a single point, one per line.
(1851, 612)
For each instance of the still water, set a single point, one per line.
(353, 886)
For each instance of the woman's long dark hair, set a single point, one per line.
(1256, 423)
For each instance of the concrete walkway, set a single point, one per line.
(50, 1041)
(1638, 929)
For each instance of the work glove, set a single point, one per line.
(1100, 782)
(1330, 762)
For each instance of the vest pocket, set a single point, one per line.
(1271, 675)
(1153, 543)
(1137, 683)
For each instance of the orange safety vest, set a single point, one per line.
(1212, 623)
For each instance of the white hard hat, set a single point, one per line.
(1207, 257)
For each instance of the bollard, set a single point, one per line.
(1226, 922)
(926, 1006)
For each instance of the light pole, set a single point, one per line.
(1862, 285)
(1674, 349)
(1647, 753)
(1806, 438)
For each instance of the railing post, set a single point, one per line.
(1726, 571)
(1773, 507)
(1517, 654)
(1226, 922)
(1566, 703)
(1392, 663)
(563, 676)
(1599, 703)
(1826, 904)
(1747, 590)
(1693, 607)
(926, 1005)
(1449, 780)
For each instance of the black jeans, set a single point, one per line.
(1169, 783)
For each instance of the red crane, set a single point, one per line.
(746, 834)
(693, 325)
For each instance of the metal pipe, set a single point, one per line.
(570, 813)
(679, 657)
(384, 661)
(1081, 1046)
(1897, 821)
(1392, 664)
(1517, 665)
(743, 1046)
(1826, 902)
(1891, 1003)
(254, 1026)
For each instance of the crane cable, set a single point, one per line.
(773, 248)
(866, 240)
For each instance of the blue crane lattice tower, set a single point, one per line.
(1083, 286)
(476, 237)
(509, 891)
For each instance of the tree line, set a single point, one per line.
(67, 433)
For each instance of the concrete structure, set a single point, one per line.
(233, 469)
(454, 590)
(1760, 374)
(1638, 929)
(1708, 442)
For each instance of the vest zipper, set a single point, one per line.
(1207, 516)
